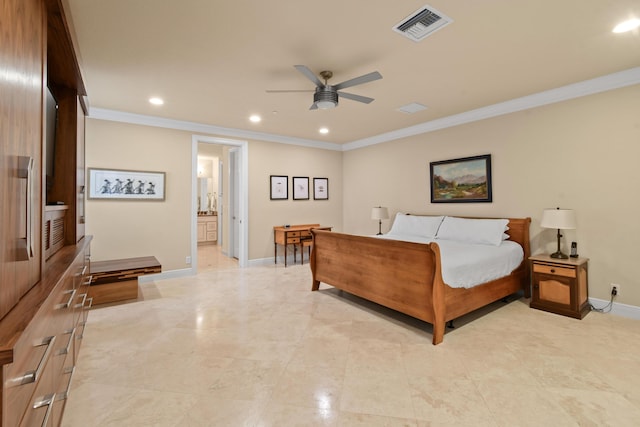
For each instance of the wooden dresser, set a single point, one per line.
(40, 340)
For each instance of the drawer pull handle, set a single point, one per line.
(33, 376)
(85, 315)
(88, 281)
(67, 371)
(48, 402)
(553, 270)
(84, 270)
(67, 349)
(69, 301)
(81, 304)
(25, 171)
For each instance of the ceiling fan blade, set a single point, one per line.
(309, 74)
(359, 80)
(313, 106)
(358, 98)
(292, 90)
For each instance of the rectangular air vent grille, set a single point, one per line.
(421, 23)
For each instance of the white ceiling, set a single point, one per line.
(212, 60)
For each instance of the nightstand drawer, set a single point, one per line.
(554, 269)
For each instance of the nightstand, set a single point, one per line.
(560, 285)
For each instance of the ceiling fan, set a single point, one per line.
(326, 95)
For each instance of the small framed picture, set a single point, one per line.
(300, 188)
(320, 188)
(279, 187)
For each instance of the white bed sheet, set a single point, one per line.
(465, 265)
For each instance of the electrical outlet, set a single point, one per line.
(187, 260)
(617, 287)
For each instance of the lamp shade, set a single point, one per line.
(379, 213)
(562, 219)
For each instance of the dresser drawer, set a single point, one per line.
(39, 409)
(39, 357)
(554, 269)
(33, 356)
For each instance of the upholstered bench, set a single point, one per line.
(117, 280)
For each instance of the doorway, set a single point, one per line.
(231, 201)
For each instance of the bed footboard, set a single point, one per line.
(398, 275)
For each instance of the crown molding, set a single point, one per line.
(564, 93)
(575, 90)
(141, 119)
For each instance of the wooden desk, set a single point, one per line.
(294, 235)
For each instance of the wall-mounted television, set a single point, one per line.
(51, 117)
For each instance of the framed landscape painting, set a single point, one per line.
(464, 180)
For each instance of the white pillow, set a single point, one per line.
(483, 231)
(416, 225)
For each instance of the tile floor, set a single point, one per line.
(255, 347)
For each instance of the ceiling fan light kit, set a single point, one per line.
(325, 95)
(325, 98)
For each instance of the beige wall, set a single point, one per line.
(123, 229)
(580, 154)
(267, 159)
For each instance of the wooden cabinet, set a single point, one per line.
(207, 229)
(560, 286)
(21, 103)
(42, 270)
(40, 339)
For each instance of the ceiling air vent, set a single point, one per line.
(421, 23)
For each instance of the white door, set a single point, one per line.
(234, 203)
(221, 201)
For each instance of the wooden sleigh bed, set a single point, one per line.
(407, 277)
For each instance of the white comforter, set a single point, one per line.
(465, 265)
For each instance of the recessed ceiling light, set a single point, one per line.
(255, 118)
(628, 25)
(156, 101)
(323, 131)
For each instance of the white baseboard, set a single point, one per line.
(171, 274)
(624, 310)
(262, 261)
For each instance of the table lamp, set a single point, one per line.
(379, 213)
(560, 219)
